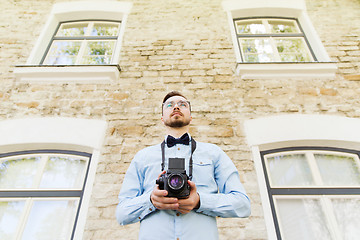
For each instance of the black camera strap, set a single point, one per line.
(193, 147)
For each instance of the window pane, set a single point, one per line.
(18, 173)
(292, 50)
(250, 27)
(347, 214)
(283, 26)
(98, 52)
(72, 29)
(10, 213)
(338, 170)
(257, 50)
(289, 170)
(63, 52)
(302, 219)
(51, 220)
(63, 172)
(105, 29)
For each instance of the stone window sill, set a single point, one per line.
(286, 70)
(67, 73)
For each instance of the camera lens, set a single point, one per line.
(176, 181)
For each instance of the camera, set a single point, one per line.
(175, 180)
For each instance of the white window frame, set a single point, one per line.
(32, 71)
(296, 9)
(84, 39)
(69, 134)
(318, 190)
(271, 37)
(34, 193)
(296, 130)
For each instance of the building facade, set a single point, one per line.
(274, 83)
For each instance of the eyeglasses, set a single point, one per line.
(180, 104)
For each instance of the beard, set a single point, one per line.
(177, 122)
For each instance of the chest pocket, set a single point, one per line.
(203, 172)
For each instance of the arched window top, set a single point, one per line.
(278, 131)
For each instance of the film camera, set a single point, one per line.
(175, 180)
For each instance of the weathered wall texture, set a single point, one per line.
(178, 45)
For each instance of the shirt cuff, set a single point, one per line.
(148, 207)
(199, 204)
(205, 204)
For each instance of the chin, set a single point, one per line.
(177, 124)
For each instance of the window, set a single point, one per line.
(276, 39)
(41, 193)
(47, 167)
(84, 38)
(272, 40)
(308, 172)
(314, 192)
(83, 42)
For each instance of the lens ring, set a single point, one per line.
(176, 181)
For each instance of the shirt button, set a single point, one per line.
(150, 209)
(139, 217)
(177, 214)
(179, 149)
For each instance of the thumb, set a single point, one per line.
(192, 185)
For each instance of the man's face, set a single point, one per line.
(176, 112)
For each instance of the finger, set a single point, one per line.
(160, 197)
(163, 172)
(166, 204)
(184, 204)
(159, 193)
(184, 210)
(166, 200)
(192, 185)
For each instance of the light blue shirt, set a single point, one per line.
(217, 182)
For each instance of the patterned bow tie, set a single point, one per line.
(171, 141)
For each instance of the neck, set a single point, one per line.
(177, 132)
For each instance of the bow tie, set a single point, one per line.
(171, 141)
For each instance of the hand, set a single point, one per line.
(193, 201)
(160, 201)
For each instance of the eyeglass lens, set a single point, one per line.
(181, 104)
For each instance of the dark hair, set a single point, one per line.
(172, 94)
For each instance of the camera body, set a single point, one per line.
(175, 180)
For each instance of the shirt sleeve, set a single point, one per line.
(134, 204)
(231, 200)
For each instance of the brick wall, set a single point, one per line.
(186, 46)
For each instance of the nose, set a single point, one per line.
(176, 106)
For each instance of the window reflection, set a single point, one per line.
(86, 42)
(347, 214)
(10, 213)
(31, 207)
(18, 173)
(338, 170)
(302, 219)
(289, 170)
(63, 172)
(50, 220)
(272, 40)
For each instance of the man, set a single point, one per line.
(215, 189)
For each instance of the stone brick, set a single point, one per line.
(28, 104)
(183, 46)
(328, 91)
